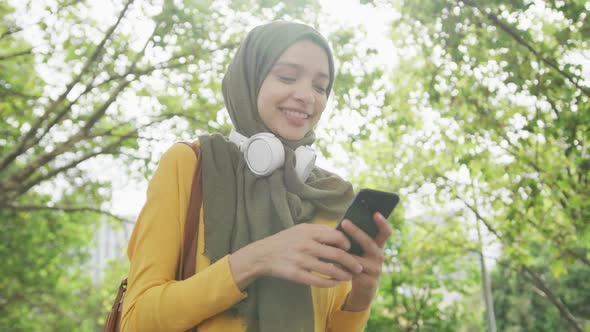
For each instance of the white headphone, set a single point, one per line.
(264, 153)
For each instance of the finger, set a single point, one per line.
(384, 229)
(338, 256)
(332, 271)
(368, 245)
(330, 236)
(372, 266)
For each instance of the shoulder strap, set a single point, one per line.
(113, 323)
(188, 258)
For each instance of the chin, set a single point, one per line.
(292, 137)
(291, 134)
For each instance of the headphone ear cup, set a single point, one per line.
(264, 153)
(305, 158)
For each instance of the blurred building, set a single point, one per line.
(110, 242)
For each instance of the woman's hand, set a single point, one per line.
(364, 285)
(294, 254)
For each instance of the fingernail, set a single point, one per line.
(359, 268)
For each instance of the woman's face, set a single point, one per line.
(293, 94)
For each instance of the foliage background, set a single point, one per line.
(478, 118)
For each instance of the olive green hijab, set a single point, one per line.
(240, 208)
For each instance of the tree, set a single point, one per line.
(522, 307)
(90, 95)
(486, 115)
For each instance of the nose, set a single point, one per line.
(304, 92)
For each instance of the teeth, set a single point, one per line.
(297, 114)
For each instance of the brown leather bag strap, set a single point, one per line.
(187, 266)
(114, 317)
(188, 256)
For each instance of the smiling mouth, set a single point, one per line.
(296, 114)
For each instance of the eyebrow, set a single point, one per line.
(299, 67)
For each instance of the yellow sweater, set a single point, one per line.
(155, 301)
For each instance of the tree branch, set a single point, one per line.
(20, 176)
(8, 92)
(580, 256)
(17, 54)
(131, 70)
(28, 140)
(10, 32)
(545, 180)
(529, 47)
(536, 280)
(89, 87)
(168, 64)
(481, 218)
(27, 208)
(558, 243)
(106, 150)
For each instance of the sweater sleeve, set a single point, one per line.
(339, 320)
(345, 321)
(155, 301)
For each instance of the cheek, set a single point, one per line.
(269, 93)
(320, 105)
(320, 108)
(263, 102)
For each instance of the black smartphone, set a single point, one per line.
(360, 212)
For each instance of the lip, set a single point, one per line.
(295, 121)
(295, 109)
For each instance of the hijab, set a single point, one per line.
(239, 207)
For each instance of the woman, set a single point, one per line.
(264, 241)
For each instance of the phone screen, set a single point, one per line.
(360, 212)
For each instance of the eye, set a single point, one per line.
(286, 79)
(319, 88)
